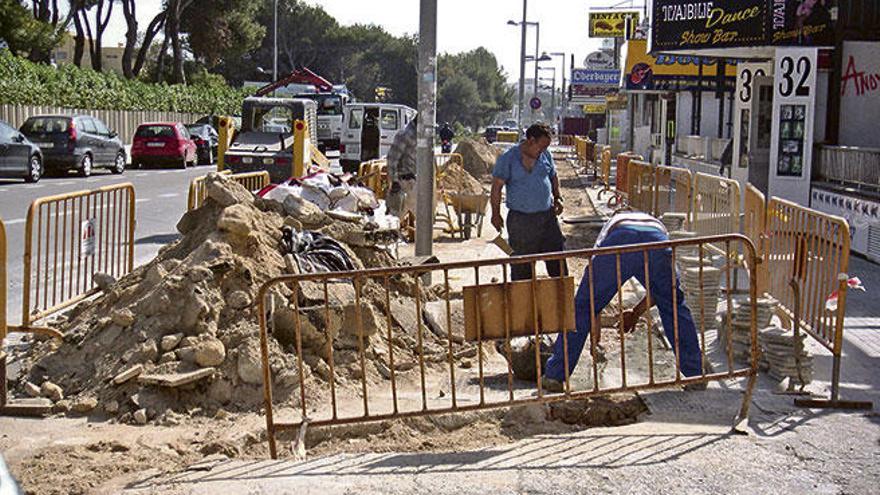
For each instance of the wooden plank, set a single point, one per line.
(553, 298)
(174, 380)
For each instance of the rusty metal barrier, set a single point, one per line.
(672, 190)
(754, 225)
(379, 359)
(252, 181)
(621, 188)
(808, 254)
(604, 170)
(716, 205)
(68, 239)
(640, 184)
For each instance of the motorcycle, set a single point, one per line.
(446, 146)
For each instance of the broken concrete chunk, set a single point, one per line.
(239, 300)
(140, 417)
(225, 191)
(103, 281)
(236, 220)
(250, 362)
(32, 390)
(210, 352)
(128, 374)
(174, 380)
(51, 391)
(170, 342)
(122, 317)
(84, 405)
(111, 407)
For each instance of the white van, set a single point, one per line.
(368, 131)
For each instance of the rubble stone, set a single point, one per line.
(170, 342)
(140, 417)
(103, 281)
(235, 220)
(250, 364)
(123, 318)
(210, 352)
(226, 192)
(84, 405)
(51, 391)
(32, 390)
(239, 300)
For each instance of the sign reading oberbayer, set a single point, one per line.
(611, 23)
(594, 82)
(689, 25)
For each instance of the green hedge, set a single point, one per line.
(27, 83)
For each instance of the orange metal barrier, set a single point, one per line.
(374, 176)
(360, 329)
(68, 239)
(252, 181)
(672, 191)
(623, 161)
(640, 183)
(716, 205)
(604, 169)
(808, 254)
(754, 225)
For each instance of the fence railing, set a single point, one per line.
(716, 205)
(123, 122)
(68, 239)
(848, 165)
(252, 181)
(673, 191)
(376, 360)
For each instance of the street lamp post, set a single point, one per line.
(563, 55)
(552, 95)
(524, 58)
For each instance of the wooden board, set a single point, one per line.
(555, 298)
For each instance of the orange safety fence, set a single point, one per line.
(252, 181)
(68, 239)
(380, 359)
(672, 191)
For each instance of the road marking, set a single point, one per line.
(65, 183)
(36, 186)
(141, 174)
(141, 200)
(169, 195)
(15, 222)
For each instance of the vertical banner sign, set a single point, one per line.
(794, 106)
(88, 235)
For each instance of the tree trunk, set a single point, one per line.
(79, 39)
(156, 25)
(130, 13)
(160, 63)
(101, 22)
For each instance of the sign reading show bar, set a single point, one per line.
(689, 25)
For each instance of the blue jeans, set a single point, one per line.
(605, 287)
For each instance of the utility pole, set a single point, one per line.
(427, 115)
(522, 68)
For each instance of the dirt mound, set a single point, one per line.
(479, 156)
(181, 333)
(456, 179)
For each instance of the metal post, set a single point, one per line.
(522, 67)
(427, 117)
(275, 44)
(537, 56)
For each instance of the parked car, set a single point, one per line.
(19, 158)
(75, 142)
(206, 139)
(163, 143)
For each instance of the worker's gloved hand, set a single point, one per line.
(497, 222)
(395, 187)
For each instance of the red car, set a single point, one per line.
(163, 143)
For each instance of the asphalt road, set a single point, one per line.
(161, 197)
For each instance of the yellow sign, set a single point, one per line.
(611, 23)
(615, 102)
(641, 65)
(594, 108)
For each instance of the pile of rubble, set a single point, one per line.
(784, 356)
(180, 335)
(479, 156)
(455, 179)
(740, 326)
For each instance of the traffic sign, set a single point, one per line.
(535, 103)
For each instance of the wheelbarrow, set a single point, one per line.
(470, 210)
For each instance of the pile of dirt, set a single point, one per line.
(180, 335)
(456, 179)
(479, 156)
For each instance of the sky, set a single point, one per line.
(462, 25)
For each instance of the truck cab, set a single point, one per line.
(369, 130)
(266, 138)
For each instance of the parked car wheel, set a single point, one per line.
(119, 163)
(85, 166)
(35, 169)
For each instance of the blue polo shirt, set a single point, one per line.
(527, 192)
